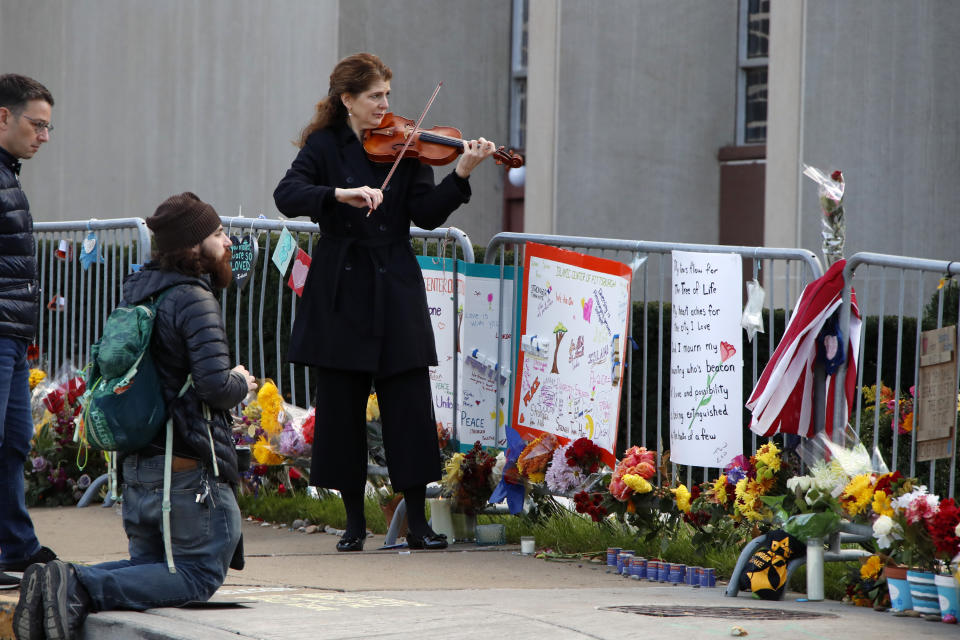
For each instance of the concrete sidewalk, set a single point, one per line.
(297, 586)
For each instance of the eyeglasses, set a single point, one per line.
(38, 125)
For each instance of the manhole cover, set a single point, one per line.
(739, 613)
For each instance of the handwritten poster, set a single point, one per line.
(486, 338)
(572, 346)
(706, 366)
(438, 280)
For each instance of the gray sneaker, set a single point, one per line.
(66, 602)
(28, 616)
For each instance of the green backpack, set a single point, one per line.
(124, 409)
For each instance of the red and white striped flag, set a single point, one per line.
(782, 401)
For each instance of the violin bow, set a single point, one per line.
(406, 145)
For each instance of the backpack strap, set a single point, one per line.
(167, 476)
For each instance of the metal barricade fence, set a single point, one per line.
(76, 301)
(783, 273)
(920, 303)
(259, 318)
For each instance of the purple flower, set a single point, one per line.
(83, 481)
(39, 463)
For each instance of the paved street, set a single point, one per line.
(297, 586)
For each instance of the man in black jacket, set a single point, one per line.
(191, 261)
(25, 108)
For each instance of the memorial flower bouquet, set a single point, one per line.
(58, 470)
(279, 436)
(468, 479)
(574, 466)
(866, 586)
(533, 460)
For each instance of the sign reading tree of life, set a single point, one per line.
(706, 383)
(573, 337)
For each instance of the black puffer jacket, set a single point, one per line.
(189, 338)
(19, 290)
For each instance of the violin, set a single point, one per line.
(436, 146)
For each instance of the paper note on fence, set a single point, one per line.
(486, 355)
(706, 365)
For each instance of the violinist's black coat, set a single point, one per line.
(364, 306)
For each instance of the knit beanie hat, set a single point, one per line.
(182, 221)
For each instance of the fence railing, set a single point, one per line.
(913, 287)
(77, 300)
(259, 317)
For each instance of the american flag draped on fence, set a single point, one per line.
(782, 401)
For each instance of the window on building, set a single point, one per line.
(518, 75)
(754, 36)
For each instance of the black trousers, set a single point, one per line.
(340, 432)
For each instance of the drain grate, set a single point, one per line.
(739, 613)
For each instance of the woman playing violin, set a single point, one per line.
(363, 316)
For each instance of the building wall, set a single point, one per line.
(879, 93)
(636, 98)
(155, 98)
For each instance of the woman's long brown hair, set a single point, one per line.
(354, 74)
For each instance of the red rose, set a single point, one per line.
(33, 352)
(281, 489)
(836, 176)
(75, 388)
(294, 474)
(53, 401)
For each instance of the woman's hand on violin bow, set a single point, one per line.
(474, 152)
(360, 197)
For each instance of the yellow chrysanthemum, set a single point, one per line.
(871, 568)
(682, 495)
(768, 461)
(537, 476)
(271, 405)
(264, 454)
(36, 377)
(720, 491)
(373, 408)
(745, 501)
(637, 482)
(881, 504)
(857, 494)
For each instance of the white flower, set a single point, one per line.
(886, 531)
(803, 483)
(901, 503)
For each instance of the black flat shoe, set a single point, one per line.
(351, 543)
(430, 542)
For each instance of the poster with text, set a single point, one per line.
(573, 337)
(438, 280)
(706, 366)
(486, 333)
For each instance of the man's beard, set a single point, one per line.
(221, 273)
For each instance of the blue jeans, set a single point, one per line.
(204, 536)
(18, 541)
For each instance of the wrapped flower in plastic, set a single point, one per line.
(830, 189)
(636, 461)
(534, 458)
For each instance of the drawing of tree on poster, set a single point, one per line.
(558, 331)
